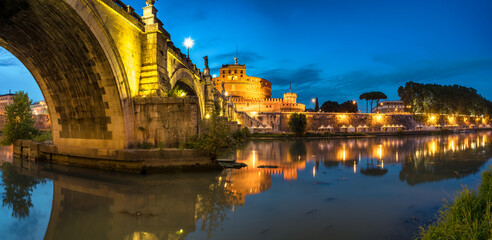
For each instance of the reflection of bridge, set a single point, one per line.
(105, 72)
(88, 205)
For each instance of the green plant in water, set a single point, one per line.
(469, 216)
(19, 122)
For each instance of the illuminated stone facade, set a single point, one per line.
(253, 94)
(4, 101)
(389, 107)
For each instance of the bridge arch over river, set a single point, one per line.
(94, 61)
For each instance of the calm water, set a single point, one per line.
(372, 188)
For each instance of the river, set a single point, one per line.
(365, 188)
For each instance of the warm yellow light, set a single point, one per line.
(183, 94)
(207, 116)
(354, 102)
(253, 114)
(226, 93)
(188, 43)
(214, 76)
(313, 100)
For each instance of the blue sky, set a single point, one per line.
(330, 49)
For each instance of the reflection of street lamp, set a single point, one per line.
(188, 43)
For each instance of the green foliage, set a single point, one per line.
(19, 122)
(217, 136)
(347, 107)
(298, 123)
(44, 137)
(176, 92)
(434, 98)
(246, 131)
(468, 217)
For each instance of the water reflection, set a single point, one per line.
(17, 190)
(423, 159)
(100, 205)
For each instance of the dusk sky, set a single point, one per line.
(330, 49)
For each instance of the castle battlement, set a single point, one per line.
(253, 94)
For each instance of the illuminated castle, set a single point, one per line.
(253, 94)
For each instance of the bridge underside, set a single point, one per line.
(55, 44)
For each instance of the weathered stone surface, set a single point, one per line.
(92, 59)
(122, 160)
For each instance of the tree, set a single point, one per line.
(298, 123)
(447, 99)
(364, 96)
(378, 96)
(19, 122)
(348, 107)
(372, 96)
(329, 106)
(217, 136)
(316, 107)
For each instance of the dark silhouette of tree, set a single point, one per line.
(316, 107)
(17, 190)
(329, 106)
(371, 97)
(347, 106)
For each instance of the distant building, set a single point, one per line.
(5, 100)
(389, 107)
(39, 108)
(253, 94)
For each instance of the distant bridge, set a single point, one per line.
(105, 72)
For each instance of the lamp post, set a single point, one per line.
(188, 43)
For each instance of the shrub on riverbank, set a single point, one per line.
(468, 217)
(298, 123)
(217, 137)
(19, 123)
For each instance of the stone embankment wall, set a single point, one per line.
(279, 121)
(166, 122)
(121, 160)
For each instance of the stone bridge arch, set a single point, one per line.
(74, 60)
(187, 77)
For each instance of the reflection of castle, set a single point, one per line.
(436, 156)
(253, 94)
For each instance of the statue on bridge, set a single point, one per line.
(150, 3)
(206, 61)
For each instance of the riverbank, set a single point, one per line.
(119, 160)
(469, 216)
(352, 135)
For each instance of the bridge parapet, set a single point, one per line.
(183, 59)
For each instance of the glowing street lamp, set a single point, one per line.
(188, 43)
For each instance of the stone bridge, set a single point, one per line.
(105, 72)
